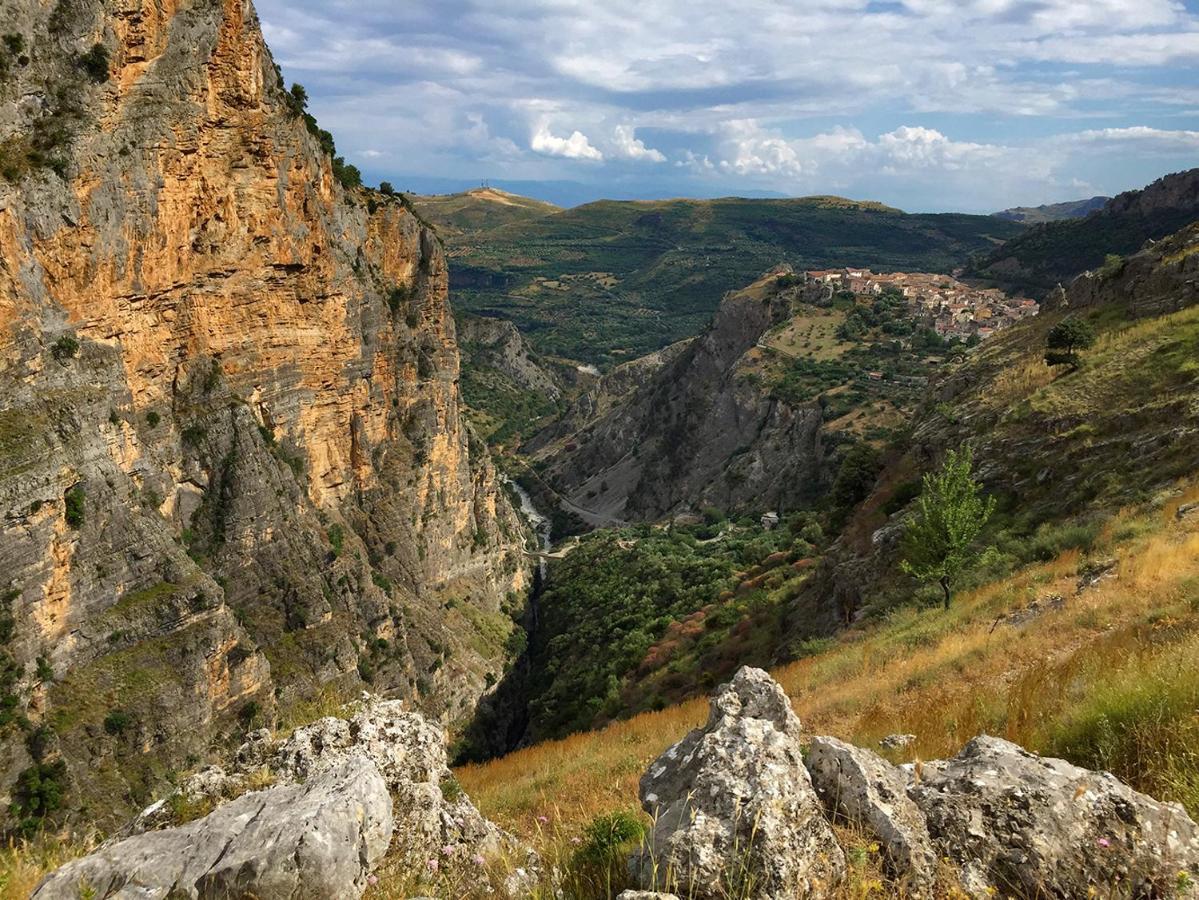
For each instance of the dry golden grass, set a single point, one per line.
(23, 865)
(1019, 381)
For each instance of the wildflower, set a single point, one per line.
(372, 879)
(434, 865)
(1104, 842)
(543, 819)
(873, 848)
(576, 840)
(447, 850)
(478, 859)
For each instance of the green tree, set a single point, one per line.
(951, 511)
(1066, 339)
(297, 100)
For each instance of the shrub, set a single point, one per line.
(297, 100)
(336, 538)
(74, 502)
(607, 840)
(153, 418)
(117, 721)
(386, 188)
(349, 175)
(45, 672)
(66, 347)
(38, 792)
(1113, 265)
(95, 63)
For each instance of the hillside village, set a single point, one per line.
(940, 302)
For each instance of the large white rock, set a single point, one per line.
(866, 791)
(309, 841)
(431, 811)
(1030, 826)
(735, 813)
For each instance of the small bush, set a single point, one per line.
(45, 672)
(337, 538)
(75, 502)
(66, 347)
(297, 100)
(599, 862)
(117, 721)
(153, 418)
(349, 175)
(38, 793)
(95, 63)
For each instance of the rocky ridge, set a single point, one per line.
(1053, 253)
(691, 430)
(234, 470)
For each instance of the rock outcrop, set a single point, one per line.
(695, 429)
(345, 792)
(1037, 827)
(736, 814)
(234, 472)
(863, 789)
(1161, 278)
(733, 807)
(489, 343)
(314, 840)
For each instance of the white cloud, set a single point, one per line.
(546, 89)
(626, 146)
(577, 146)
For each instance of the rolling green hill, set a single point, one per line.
(481, 209)
(613, 280)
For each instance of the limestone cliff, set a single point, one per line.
(691, 428)
(234, 474)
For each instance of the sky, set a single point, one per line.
(928, 105)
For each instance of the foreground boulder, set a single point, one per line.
(1036, 827)
(864, 790)
(734, 810)
(317, 840)
(342, 789)
(432, 812)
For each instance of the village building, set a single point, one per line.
(941, 302)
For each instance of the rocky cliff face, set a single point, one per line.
(693, 429)
(233, 469)
(1162, 278)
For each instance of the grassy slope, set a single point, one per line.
(612, 280)
(1097, 681)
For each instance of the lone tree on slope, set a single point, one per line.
(1065, 339)
(950, 513)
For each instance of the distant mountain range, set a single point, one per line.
(610, 281)
(1052, 212)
